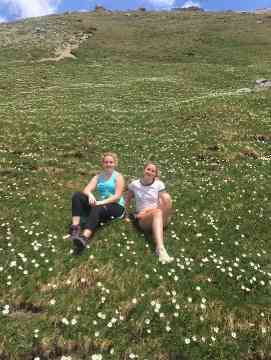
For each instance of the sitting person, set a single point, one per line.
(153, 207)
(110, 203)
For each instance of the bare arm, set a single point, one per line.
(119, 191)
(91, 186)
(128, 198)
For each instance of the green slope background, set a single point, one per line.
(178, 88)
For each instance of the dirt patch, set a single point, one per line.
(50, 169)
(28, 307)
(75, 154)
(73, 185)
(24, 310)
(260, 355)
(250, 153)
(68, 49)
(8, 171)
(82, 277)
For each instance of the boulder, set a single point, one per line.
(189, 8)
(100, 8)
(263, 83)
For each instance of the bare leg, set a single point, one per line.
(165, 204)
(153, 221)
(76, 220)
(87, 233)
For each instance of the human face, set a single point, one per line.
(150, 172)
(108, 164)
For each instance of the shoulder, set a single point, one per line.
(118, 175)
(95, 177)
(134, 184)
(159, 185)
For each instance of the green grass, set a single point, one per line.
(160, 86)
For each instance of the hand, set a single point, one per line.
(92, 200)
(127, 219)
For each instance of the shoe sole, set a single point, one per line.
(165, 261)
(78, 244)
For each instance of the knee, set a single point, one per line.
(165, 199)
(78, 195)
(157, 213)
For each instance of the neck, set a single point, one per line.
(147, 181)
(108, 172)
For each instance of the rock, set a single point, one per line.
(263, 137)
(39, 30)
(263, 83)
(189, 8)
(100, 8)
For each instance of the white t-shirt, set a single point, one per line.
(146, 196)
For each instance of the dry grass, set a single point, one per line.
(84, 277)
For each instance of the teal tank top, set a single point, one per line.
(107, 187)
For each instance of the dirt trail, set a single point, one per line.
(61, 54)
(66, 52)
(208, 95)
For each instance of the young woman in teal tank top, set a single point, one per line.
(107, 187)
(109, 204)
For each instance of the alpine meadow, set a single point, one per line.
(189, 90)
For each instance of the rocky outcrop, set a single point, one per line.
(263, 84)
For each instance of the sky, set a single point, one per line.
(20, 9)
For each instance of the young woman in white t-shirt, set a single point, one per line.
(153, 206)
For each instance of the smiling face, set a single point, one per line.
(150, 172)
(108, 163)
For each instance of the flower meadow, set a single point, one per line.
(143, 100)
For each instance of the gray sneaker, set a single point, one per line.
(74, 231)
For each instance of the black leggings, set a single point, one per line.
(94, 215)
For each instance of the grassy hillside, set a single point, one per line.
(177, 88)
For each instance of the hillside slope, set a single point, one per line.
(177, 88)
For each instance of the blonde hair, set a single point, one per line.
(113, 155)
(157, 170)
